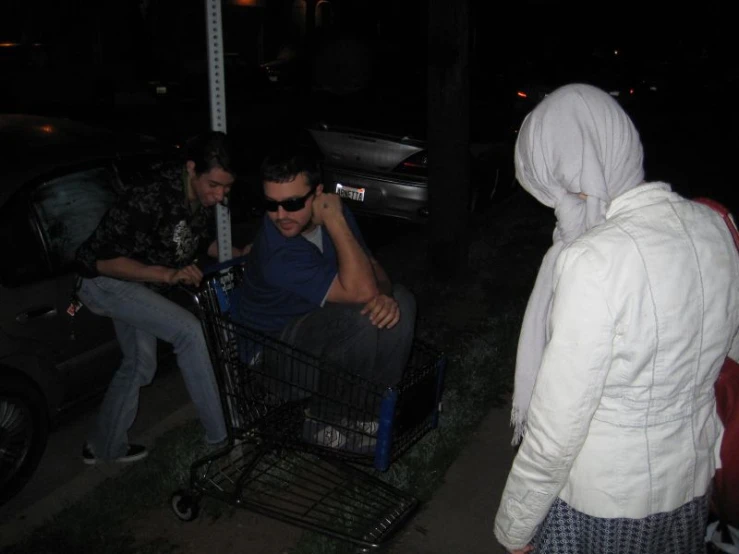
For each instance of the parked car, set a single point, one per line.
(57, 179)
(385, 175)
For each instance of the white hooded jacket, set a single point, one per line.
(622, 418)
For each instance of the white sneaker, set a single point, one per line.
(365, 427)
(329, 436)
(361, 435)
(134, 453)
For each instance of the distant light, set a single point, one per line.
(521, 94)
(631, 91)
(249, 3)
(161, 90)
(9, 44)
(615, 52)
(48, 129)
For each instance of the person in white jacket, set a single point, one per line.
(635, 307)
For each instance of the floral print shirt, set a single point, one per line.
(152, 222)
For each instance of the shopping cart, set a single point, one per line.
(304, 433)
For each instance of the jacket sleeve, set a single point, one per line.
(567, 392)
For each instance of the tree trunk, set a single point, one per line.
(448, 135)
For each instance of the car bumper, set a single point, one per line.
(387, 195)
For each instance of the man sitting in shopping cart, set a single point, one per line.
(310, 281)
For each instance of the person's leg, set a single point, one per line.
(137, 306)
(340, 332)
(341, 337)
(109, 437)
(394, 345)
(337, 332)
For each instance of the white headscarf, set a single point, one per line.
(577, 140)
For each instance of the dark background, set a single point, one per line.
(364, 63)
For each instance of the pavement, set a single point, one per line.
(459, 517)
(62, 478)
(457, 520)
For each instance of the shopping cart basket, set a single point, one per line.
(298, 424)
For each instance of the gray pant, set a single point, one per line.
(140, 316)
(341, 334)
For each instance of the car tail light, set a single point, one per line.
(416, 164)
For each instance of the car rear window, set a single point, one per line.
(69, 209)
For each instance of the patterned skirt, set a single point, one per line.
(567, 531)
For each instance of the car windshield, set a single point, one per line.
(69, 209)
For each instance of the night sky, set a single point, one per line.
(121, 44)
(664, 29)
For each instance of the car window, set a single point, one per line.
(69, 209)
(23, 253)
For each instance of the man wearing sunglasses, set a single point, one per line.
(311, 281)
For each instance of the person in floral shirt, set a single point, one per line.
(143, 247)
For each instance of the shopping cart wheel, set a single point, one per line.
(185, 505)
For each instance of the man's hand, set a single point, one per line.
(383, 311)
(325, 206)
(188, 275)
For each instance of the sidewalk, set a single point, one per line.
(62, 478)
(457, 520)
(459, 517)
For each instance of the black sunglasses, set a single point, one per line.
(290, 205)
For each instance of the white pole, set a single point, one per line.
(217, 88)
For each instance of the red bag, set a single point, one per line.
(726, 480)
(725, 500)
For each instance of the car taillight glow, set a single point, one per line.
(409, 163)
(417, 163)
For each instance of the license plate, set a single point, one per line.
(350, 193)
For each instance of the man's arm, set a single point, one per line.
(383, 310)
(360, 278)
(133, 270)
(383, 281)
(355, 281)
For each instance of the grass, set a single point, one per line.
(475, 321)
(97, 523)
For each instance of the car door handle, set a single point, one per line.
(35, 313)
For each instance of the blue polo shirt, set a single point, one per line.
(287, 277)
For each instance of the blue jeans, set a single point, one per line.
(140, 316)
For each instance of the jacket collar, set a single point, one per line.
(641, 195)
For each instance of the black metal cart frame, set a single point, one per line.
(305, 433)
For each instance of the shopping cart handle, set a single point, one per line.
(215, 268)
